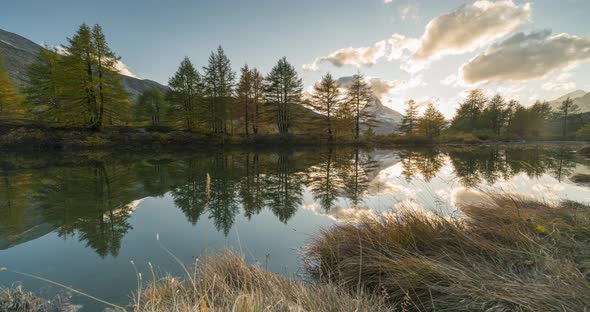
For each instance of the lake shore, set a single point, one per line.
(27, 137)
(504, 253)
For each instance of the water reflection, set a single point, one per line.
(92, 197)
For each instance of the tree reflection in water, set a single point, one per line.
(89, 197)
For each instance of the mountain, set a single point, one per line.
(580, 97)
(18, 53)
(387, 119)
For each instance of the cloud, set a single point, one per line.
(471, 26)
(559, 83)
(124, 69)
(524, 57)
(358, 57)
(387, 1)
(383, 87)
(408, 12)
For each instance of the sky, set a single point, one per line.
(429, 51)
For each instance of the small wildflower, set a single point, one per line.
(541, 229)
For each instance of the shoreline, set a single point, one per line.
(40, 138)
(506, 252)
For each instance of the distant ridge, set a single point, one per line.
(580, 97)
(19, 52)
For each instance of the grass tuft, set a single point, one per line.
(507, 254)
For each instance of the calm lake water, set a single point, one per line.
(81, 219)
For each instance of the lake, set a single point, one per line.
(89, 220)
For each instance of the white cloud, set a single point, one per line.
(524, 57)
(408, 12)
(561, 82)
(358, 57)
(124, 69)
(471, 26)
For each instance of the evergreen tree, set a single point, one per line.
(359, 96)
(185, 95)
(219, 81)
(566, 109)
(91, 83)
(494, 114)
(283, 90)
(432, 122)
(150, 106)
(410, 121)
(326, 100)
(245, 95)
(10, 100)
(257, 99)
(44, 91)
(112, 98)
(467, 117)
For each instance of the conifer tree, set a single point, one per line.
(283, 90)
(151, 106)
(44, 91)
(257, 99)
(245, 95)
(219, 81)
(185, 95)
(566, 109)
(10, 100)
(467, 117)
(432, 122)
(410, 120)
(326, 100)
(359, 96)
(494, 114)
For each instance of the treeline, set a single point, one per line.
(79, 85)
(216, 102)
(498, 118)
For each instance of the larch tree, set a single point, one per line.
(185, 95)
(112, 99)
(467, 117)
(494, 114)
(10, 100)
(283, 91)
(565, 110)
(432, 122)
(358, 97)
(257, 99)
(245, 96)
(150, 106)
(44, 93)
(91, 83)
(410, 120)
(219, 82)
(326, 100)
(80, 77)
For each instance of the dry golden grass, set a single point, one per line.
(227, 283)
(509, 254)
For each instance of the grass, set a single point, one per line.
(227, 283)
(510, 254)
(503, 254)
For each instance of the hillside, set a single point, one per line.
(580, 97)
(19, 52)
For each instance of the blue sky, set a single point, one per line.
(152, 36)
